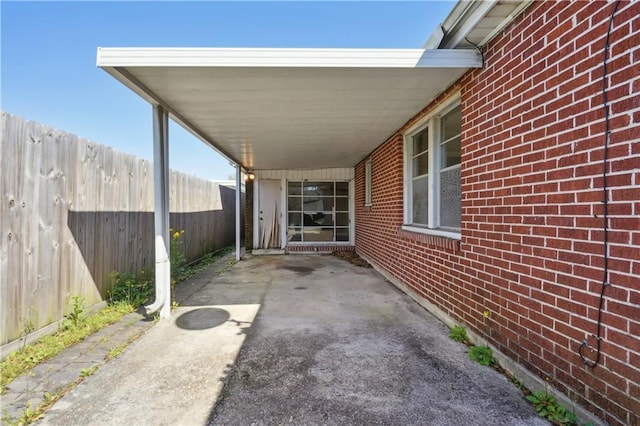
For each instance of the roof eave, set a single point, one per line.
(464, 17)
(286, 58)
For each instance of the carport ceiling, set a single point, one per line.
(289, 108)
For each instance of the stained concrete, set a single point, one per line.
(317, 341)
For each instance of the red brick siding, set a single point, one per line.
(317, 248)
(531, 248)
(248, 214)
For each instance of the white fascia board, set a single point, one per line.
(288, 58)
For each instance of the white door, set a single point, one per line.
(269, 214)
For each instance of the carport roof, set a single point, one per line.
(289, 108)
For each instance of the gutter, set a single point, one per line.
(465, 17)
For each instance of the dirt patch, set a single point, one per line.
(352, 257)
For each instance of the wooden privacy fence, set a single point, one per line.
(74, 211)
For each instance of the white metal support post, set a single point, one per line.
(238, 191)
(161, 212)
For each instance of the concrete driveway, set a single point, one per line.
(300, 340)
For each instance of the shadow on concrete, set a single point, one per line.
(202, 318)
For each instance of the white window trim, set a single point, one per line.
(432, 121)
(367, 182)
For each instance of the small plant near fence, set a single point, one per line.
(130, 289)
(73, 318)
(177, 257)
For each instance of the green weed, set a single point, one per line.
(129, 288)
(86, 372)
(116, 350)
(177, 257)
(77, 309)
(483, 355)
(547, 407)
(459, 334)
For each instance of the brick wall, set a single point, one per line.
(317, 248)
(531, 249)
(248, 214)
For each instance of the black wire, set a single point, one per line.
(605, 282)
(478, 48)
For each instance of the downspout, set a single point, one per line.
(161, 213)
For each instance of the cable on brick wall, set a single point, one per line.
(605, 214)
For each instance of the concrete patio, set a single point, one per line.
(294, 340)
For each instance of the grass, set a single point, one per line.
(46, 347)
(116, 350)
(128, 292)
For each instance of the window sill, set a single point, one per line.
(435, 232)
(445, 239)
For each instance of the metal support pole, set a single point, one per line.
(238, 192)
(161, 212)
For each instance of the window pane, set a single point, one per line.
(421, 142)
(451, 126)
(451, 153)
(317, 204)
(420, 200)
(294, 188)
(342, 188)
(318, 234)
(450, 198)
(295, 204)
(295, 219)
(421, 164)
(318, 188)
(294, 234)
(342, 234)
(342, 219)
(318, 219)
(342, 204)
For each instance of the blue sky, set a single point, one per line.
(49, 54)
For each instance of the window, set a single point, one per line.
(432, 173)
(318, 212)
(367, 182)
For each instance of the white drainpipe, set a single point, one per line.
(238, 212)
(161, 213)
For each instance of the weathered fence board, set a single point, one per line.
(74, 211)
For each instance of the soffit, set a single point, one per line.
(289, 108)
